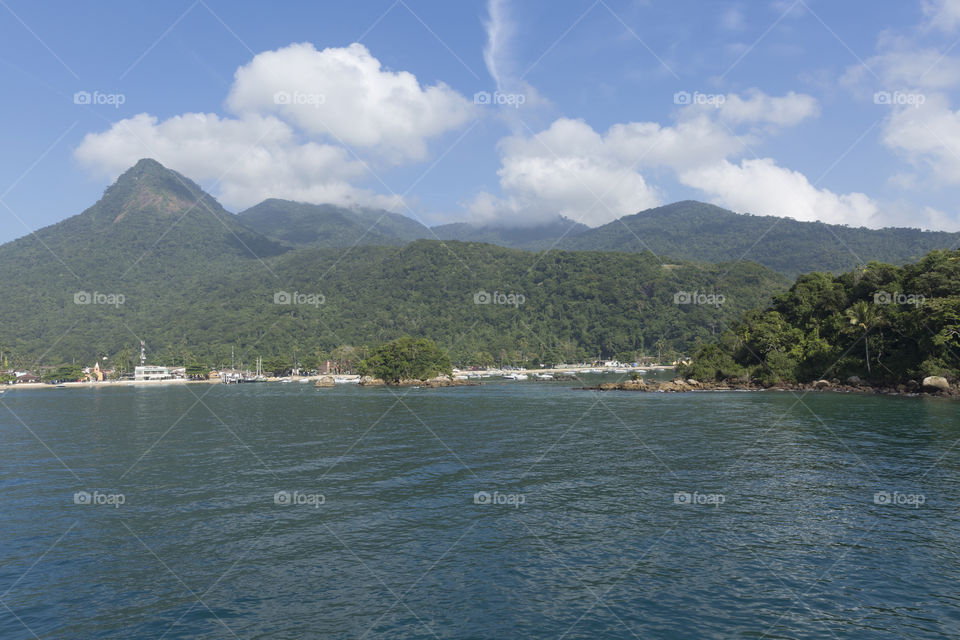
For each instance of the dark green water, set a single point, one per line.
(735, 515)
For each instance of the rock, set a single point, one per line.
(854, 380)
(367, 381)
(912, 385)
(324, 381)
(821, 384)
(692, 382)
(935, 384)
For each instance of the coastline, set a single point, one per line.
(692, 386)
(473, 374)
(33, 386)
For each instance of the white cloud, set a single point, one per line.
(345, 95)
(942, 14)
(572, 170)
(760, 108)
(760, 186)
(929, 136)
(568, 170)
(498, 56)
(251, 159)
(292, 147)
(902, 65)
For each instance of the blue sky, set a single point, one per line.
(375, 104)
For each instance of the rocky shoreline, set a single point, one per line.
(432, 383)
(930, 386)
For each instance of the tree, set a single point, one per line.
(197, 370)
(406, 359)
(277, 365)
(866, 316)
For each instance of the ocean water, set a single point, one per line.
(511, 510)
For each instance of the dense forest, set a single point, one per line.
(687, 230)
(881, 323)
(159, 260)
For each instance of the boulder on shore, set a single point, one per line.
(935, 384)
(324, 381)
(854, 380)
(821, 384)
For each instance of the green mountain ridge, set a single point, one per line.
(696, 230)
(687, 230)
(326, 225)
(194, 281)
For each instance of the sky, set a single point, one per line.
(497, 112)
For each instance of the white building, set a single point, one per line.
(143, 373)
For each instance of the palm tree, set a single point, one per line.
(866, 316)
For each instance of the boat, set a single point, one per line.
(516, 376)
(543, 376)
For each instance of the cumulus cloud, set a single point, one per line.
(250, 159)
(761, 186)
(572, 170)
(296, 114)
(345, 95)
(568, 170)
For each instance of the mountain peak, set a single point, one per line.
(149, 187)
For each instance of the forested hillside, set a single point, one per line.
(881, 323)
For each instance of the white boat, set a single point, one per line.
(621, 370)
(543, 376)
(516, 376)
(345, 380)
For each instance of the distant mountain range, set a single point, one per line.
(687, 230)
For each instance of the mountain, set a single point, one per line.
(687, 230)
(327, 225)
(150, 211)
(693, 230)
(159, 260)
(542, 236)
